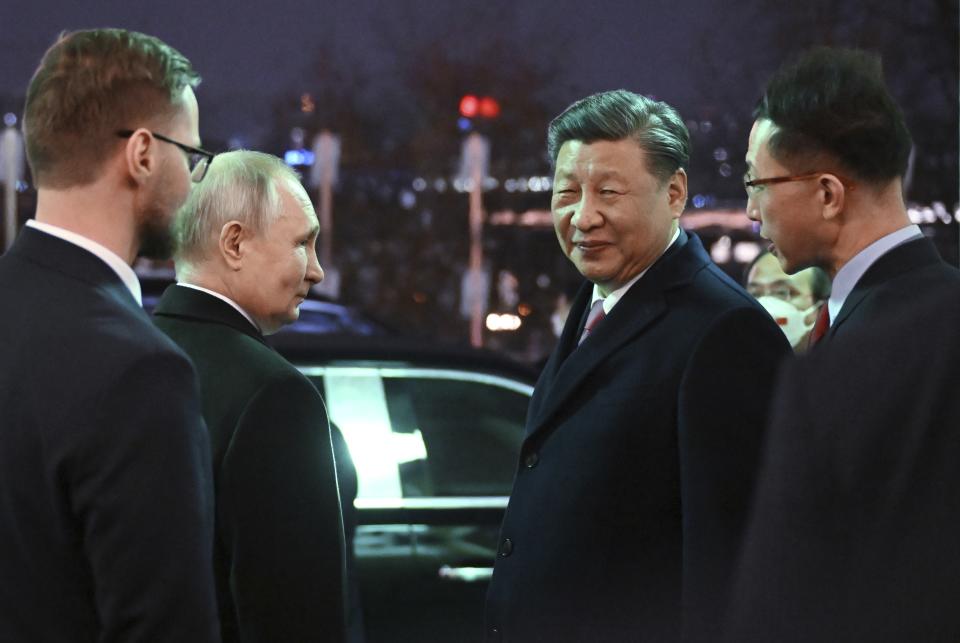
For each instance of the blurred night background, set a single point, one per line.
(388, 80)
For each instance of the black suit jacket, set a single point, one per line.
(639, 459)
(897, 277)
(854, 538)
(106, 498)
(279, 551)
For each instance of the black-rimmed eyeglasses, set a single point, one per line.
(749, 184)
(198, 159)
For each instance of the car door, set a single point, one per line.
(435, 450)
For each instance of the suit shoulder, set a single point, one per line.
(271, 366)
(920, 279)
(286, 381)
(893, 297)
(131, 336)
(285, 402)
(220, 345)
(729, 317)
(712, 293)
(93, 329)
(230, 363)
(276, 370)
(919, 330)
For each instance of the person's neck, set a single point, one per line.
(98, 211)
(205, 277)
(867, 219)
(215, 277)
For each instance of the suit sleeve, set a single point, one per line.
(789, 580)
(722, 411)
(144, 494)
(281, 518)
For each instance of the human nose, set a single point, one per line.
(314, 271)
(585, 214)
(753, 211)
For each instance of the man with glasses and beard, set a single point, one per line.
(106, 506)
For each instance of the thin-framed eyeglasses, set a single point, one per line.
(749, 184)
(198, 159)
(780, 290)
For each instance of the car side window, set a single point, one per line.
(471, 432)
(426, 433)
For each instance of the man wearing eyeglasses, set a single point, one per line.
(855, 522)
(793, 301)
(825, 165)
(106, 505)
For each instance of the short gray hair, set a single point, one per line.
(239, 186)
(620, 114)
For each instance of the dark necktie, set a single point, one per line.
(822, 325)
(595, 317)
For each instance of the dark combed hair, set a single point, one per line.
(89, 85)
(834, 101)
(620, 114)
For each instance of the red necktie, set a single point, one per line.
(822, 325)
(595, 317)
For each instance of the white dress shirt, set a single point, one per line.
(213, 293)
(850, 274)
(118, 265)
(611, 300)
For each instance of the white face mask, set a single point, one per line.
(790, 318)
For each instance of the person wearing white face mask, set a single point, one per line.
(792, 300)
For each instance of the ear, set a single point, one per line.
(833, 194)
(232, 239)
(139, 156)
(677, 192)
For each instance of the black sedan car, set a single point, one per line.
(434, 435)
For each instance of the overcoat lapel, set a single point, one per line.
(903, 258)
(195, 305)
(570, 366)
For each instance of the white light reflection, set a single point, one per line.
(504, 322)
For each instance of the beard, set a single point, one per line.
(156, 216)
(156, 239)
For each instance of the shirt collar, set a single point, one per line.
(118, 265)
(850, 274)
(611, 300)
(224, 298)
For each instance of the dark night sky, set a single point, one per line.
(248, 53)
(257, 49)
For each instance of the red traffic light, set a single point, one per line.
(469, 106)
(486, 107)
(489, 107)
